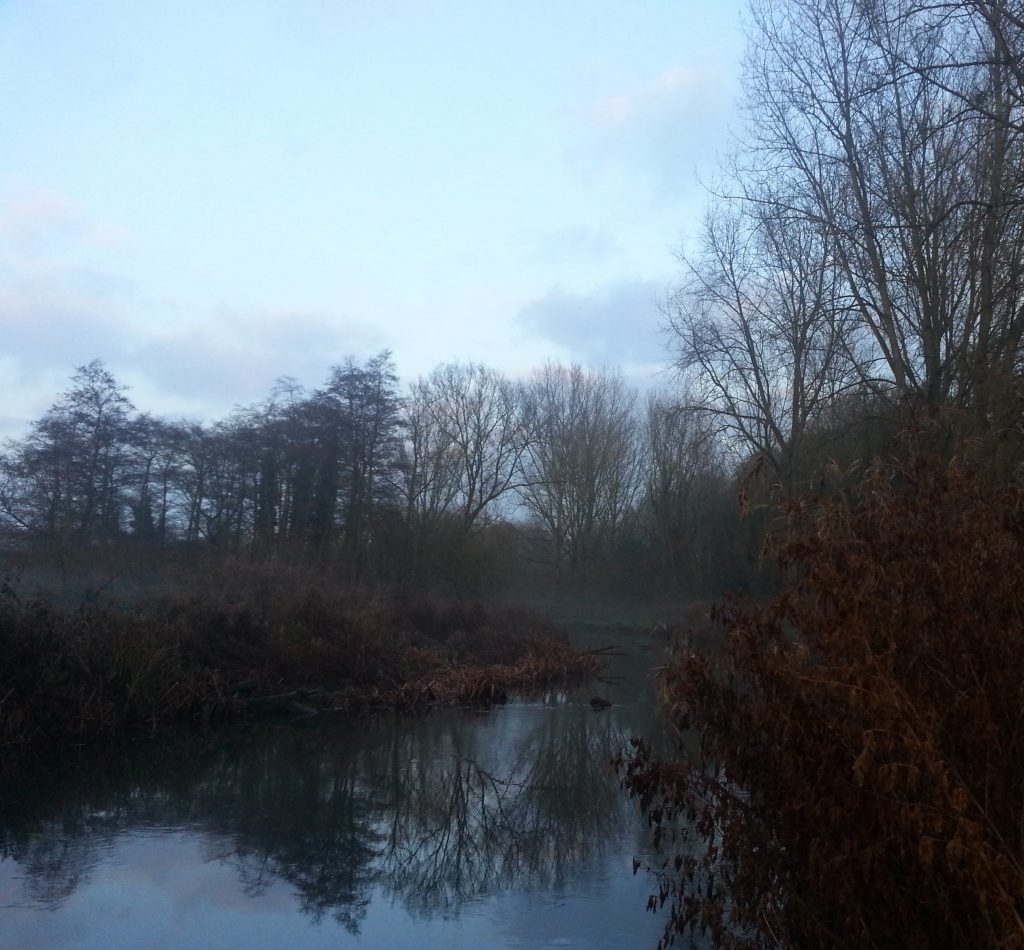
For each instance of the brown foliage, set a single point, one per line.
(97, 671)
(859, 781)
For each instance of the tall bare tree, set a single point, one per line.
(583, 470)
(760, 331)
(67, 481)
(862, 129)
(356, 419)
(473, 430)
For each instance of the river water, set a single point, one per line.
(454, 828)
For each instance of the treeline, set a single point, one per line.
(466, 480)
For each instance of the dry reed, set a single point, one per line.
(99, 670)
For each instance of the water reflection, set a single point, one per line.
(433, 813)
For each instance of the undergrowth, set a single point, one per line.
(859, 781)
(97, 671)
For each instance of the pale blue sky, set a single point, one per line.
(209, 195)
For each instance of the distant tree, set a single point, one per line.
(67, 480)
(583, 469)
(216, 481)
(480, 432)
(430, 463)
(155, 472)
(357, 417)
(466, 430)
(685, 490)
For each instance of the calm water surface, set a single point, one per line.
(457, 828)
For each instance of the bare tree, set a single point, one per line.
(583, 470)
(469, 432)
(357, 421)
(684, 488)
(154, 501)
(430, 462)
(910, 186)
(760, 331)
(67, 480)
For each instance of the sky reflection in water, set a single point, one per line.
(459, 828)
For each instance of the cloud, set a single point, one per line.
(60, 316)
(52, 319)
(235, 357)
(570, 247)
(63, 303)
(31, 218)
(38, 224)
(672, 125)
(675, 87)
(616, 326)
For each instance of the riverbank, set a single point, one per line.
(101, 670)
(499, 827)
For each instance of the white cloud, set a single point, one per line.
(675, 87)
(571, 247)
(61, 321)
(36, 223)
(63, 303)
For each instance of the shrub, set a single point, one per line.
(859, 778)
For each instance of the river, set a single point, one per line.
(497, 828)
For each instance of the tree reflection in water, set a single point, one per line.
(55, 866)
(433, 812)
(458, 831)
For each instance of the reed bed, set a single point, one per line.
(101, 670)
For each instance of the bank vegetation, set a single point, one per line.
(853, 776)
(262, 645)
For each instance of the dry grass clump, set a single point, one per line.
(860, 779)
(96, 671)
(90, 673)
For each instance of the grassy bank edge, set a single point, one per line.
(101, 671)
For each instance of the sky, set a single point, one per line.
(209, 196)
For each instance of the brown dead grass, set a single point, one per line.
(97, 671)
